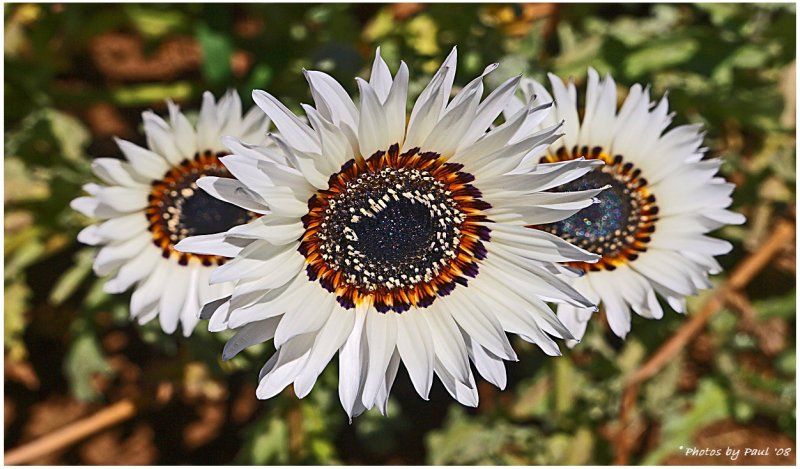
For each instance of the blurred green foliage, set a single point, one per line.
(728, 66)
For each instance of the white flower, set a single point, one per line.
(650, 225)
(396, 240)
(151, 201)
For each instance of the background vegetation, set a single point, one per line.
(76, 75)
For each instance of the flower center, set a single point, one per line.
(619, 226)
(179, 209)
(392, 228)
(395, 230)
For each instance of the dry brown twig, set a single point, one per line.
(71, 434)
(741, 275)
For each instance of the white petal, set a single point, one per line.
(448, 343)
(232, 191)
(313, 166)
(123, 227)
(352, 366)
(123, 199)
(208, 125)
(214, 244)
(190, 313)
(424, 116)
(381, 78)
(92, 207)
(482, 326)
(230, 108)
(276, 264)
(160, 138)
(568, 315)
(566, 108)
(113, 255)
(395, 106)
(373, 132)
(90, 236)
(143, 161)
(466, 394)
(445, 137)
(415, 345)
(117, 172)
(441, 84)
(185, 136)
(488, 365)
(279, 373)
(332, 336)
(276, 230)
(308, 316)
(516, 314)
(489, 109)
(147, 294)
(173, 299)
(134, 270)
(219, 315)
(617, 311)
(666, 269)
(538, 245)
(331, 100)
(297, 134)
(249, 335)
(382, 399)
(381, 333)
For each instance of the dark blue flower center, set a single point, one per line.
(606, 226)
(178, 209)
(202, 214)
(401, 231)
(392, 228)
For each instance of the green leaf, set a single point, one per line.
(24, 256)
(464, 441)
(73, 277)
(21, 183)
(268, 443)
(217, 51)
(142, 95)
(83, 361)
(152, 22)
(15, 302)
(710, 404)
(660, 55)
(778, 306)
(73, 136)
(259, 78)
(564, 381)
(422, 31)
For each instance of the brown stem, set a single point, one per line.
(739, 278)
(71, 434)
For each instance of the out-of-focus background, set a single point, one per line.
(77, 75)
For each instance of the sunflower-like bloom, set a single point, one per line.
(150, 201)
(650, 227)
(394, 239)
